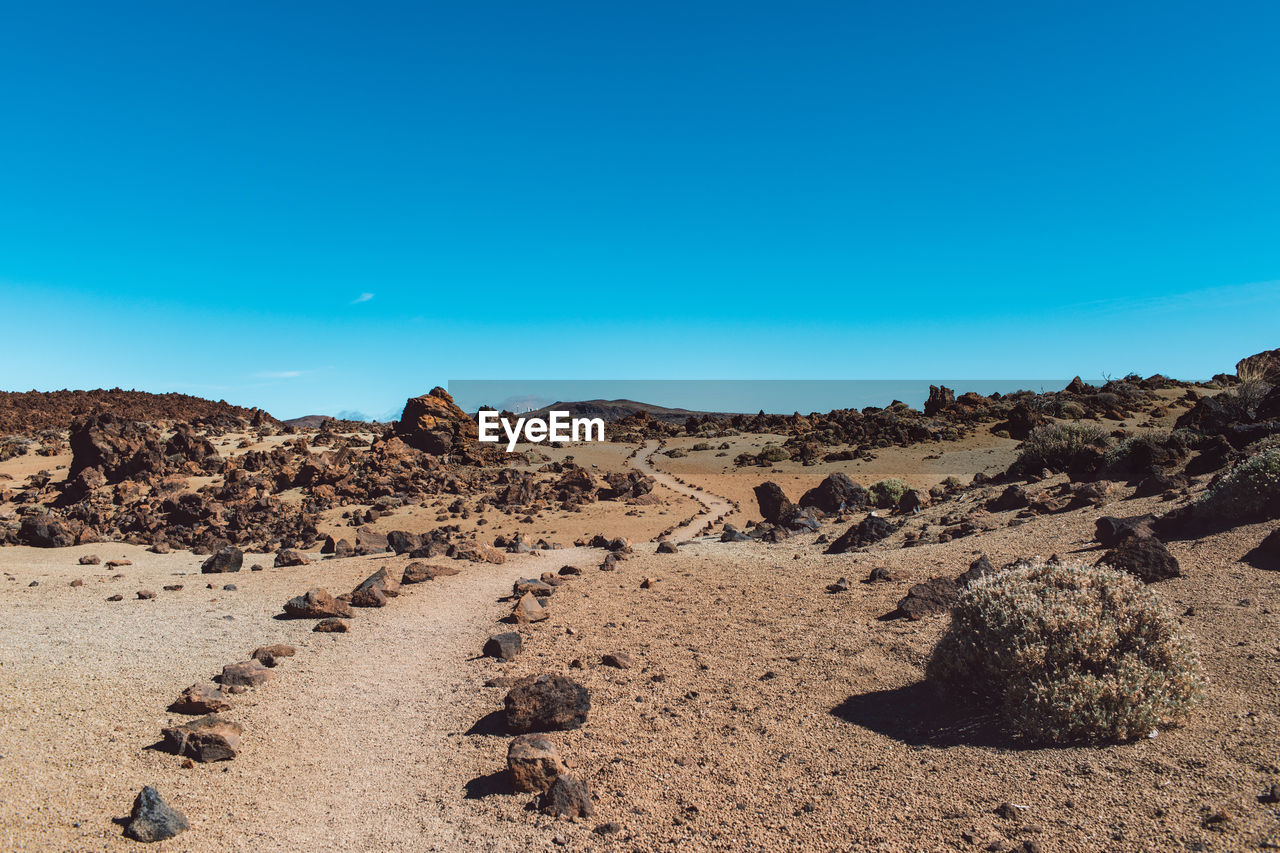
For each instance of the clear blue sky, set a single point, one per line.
(317, 207)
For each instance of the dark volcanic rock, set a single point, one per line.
(546, 703)
(935, 595)
(836, 493)
(1264, 366)
(567, 797)
(228, 559)
(503, 646)
(433, 423)
(939, 399)
(977, 569)
(1143, 556)
(871, 529)
(665, 547)
(288, 557)
(773, 502)
(152, 819)
(1111, 530)
(331, 626)
(45, 531)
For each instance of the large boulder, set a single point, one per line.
(540, 703)
(1111, 530)
(1267, 554)
(939, 399)
(228, 559)
(836, 493)
(45, 531)
(1264, 366)
(774, 504)
(434, 424)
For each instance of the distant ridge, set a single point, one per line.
(616, 410)
(30, 411)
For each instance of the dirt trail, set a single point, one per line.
(716, 507)
(358, 743)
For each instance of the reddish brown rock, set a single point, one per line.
(248, 673)
(534, 763)
(331, 626)
(270, 655)
(201, 698)
(529, 609)
(207, 739)
(316, 604)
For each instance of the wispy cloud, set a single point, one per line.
(364, 297)
(279, 374)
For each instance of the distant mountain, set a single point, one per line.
(30, 411)
(616, 410)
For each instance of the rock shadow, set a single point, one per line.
(489, 785)
(493, 723)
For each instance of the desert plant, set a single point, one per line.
(1144, 454)
(1067, 653)
(887, 493)
(772, 453)
(1071, 410)
(675, 453)
(1250, 491)
(1059, 447)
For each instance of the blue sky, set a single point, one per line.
(322, 207)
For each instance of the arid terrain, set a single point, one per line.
(740, 696)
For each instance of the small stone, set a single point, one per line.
(503, 646)
(316, 604)
(331, 626)
(534, 763)
(841, 585)
(526, 586)
(567, 797)
(34, 583)
(617, 660)
(1008, 811)
(206, 739)
(570, 570)
(1271, 794)
(146, 594)
(116, 564)
(152, 819)
(270, 655)
(116, 597)
(647, 583)
(610, 828)
(201, 698)
(229, 587)
(249, 673)
(529, 609)
(256, 567)
(77, 582)
(90, 560)
(665, 547)
(173, 587)
(368, 597)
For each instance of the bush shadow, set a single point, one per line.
(915, 715)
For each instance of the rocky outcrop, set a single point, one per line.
(1264, 366)
(836, 493)
(434, 424)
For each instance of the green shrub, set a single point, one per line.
(1067, 654)
(1059, 447)
(1249, 491)
(675, 452)
(887, 493)
(1071, 410)
(774, 454)
(1144, 454)
(701, 445)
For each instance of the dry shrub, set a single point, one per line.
(1067, 654)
